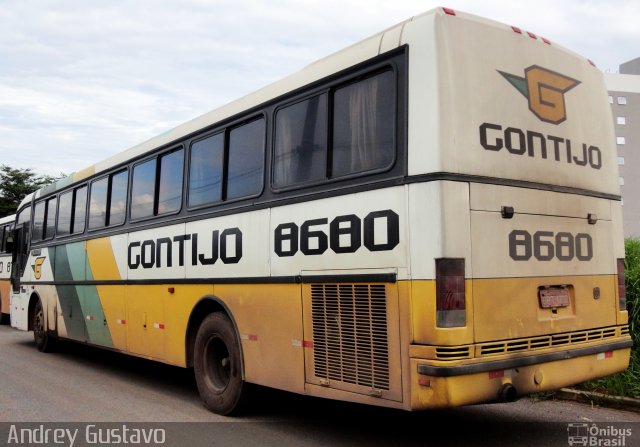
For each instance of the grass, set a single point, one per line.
(626, 383)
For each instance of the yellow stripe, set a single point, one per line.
(101, 260)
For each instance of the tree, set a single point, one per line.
(15, 184)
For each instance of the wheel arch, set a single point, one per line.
(206, 306)
(33, 299)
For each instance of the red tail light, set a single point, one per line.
(622, 289)
(450, 298)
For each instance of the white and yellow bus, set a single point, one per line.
(6, 227)
(428, 218)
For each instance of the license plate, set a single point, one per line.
(554, 297)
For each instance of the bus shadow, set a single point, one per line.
(329, 422)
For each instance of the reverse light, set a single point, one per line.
(622, 289)
(450, 296)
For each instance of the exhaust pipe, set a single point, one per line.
(507, 393)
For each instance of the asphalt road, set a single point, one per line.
(78, 386)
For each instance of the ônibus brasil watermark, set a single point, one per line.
(598, 435)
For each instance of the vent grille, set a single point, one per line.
(548, 341)
(350, 334)
(453, 352)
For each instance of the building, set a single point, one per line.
(624, 97)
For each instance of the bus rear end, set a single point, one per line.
(527, 275)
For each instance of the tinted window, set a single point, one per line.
(301, 142)
(170, 189)
(108, 203)
(98, 203)
(364, 125)
(205, 171)
(246, 160)
(38, 221)
(143, 189)
(65, 209)
(79, 210)
(24, 215)
(118, 200)
(49, 229)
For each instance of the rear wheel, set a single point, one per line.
(216, 365)
(44, 341)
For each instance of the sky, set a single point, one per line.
(81, 80)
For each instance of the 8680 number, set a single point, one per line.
(547, 245)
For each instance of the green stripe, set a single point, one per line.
(82, 309)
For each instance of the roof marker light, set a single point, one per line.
(533, 36)
(516, 29)
(545, 40)
(449, 11)
(591, 62)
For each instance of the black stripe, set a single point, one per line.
(450, 371)
(435, 176)
(297, 279)
(364, 184)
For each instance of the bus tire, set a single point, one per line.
(44, 341)
(216, 365)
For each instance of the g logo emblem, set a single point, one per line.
(37, 267)
(544, 90)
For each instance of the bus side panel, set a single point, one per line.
(102, 267)
(269, 319)
(69, 265)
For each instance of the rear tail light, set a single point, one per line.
(450, 298)
(622, 289)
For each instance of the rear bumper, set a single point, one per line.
(448, 371)
(480, 382)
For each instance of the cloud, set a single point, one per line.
(81, 81)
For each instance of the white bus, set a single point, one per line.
(6, 227)
(428, 218)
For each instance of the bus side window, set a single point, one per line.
(65, 209)
(246, 160)
(149, 199)
(364, 119)
(301, 142)
(98, 203)
(38, 221)
(143, 189)
(107, 203)
(205, 171)
(170, 185)
(72, 211)
(79, 210)
(50, 224)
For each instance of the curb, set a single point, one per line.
(601, 399)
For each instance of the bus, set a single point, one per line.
(428, 218)
(6, 227)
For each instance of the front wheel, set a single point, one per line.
(44, 341)
(216, 365)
